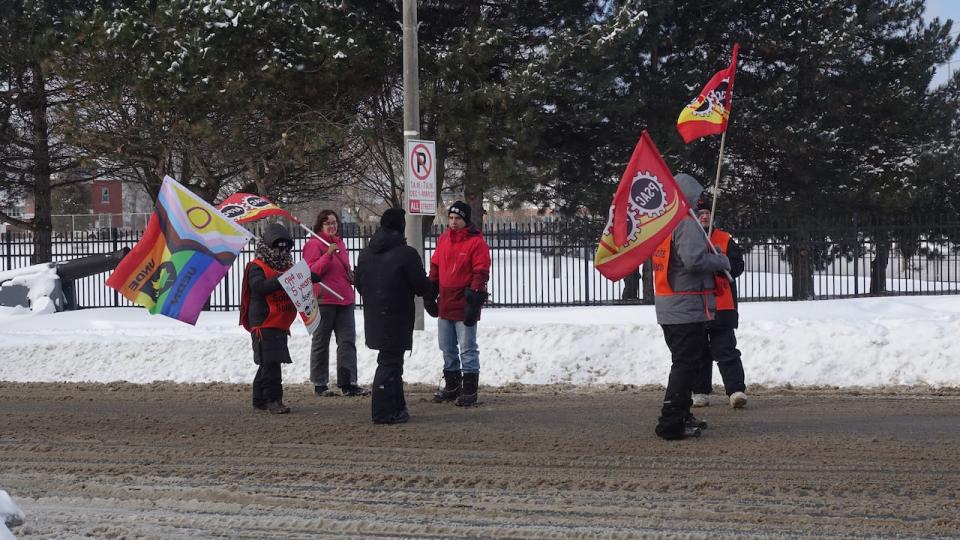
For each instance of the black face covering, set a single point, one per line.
(278, 257)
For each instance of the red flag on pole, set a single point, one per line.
(244, 207)
(646, 208)
(709, 112)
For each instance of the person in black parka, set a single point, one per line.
(388, 275)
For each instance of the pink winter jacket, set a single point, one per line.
(332, 270)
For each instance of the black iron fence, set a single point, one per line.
(550, 263)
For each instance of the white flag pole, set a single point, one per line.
(311, 233)
(716, 185)
(317, 236)
(713, 248)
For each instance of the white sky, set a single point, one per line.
(945, 9)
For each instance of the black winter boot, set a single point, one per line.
(452, 387)
(469, 395)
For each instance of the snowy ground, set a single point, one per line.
(870, 342)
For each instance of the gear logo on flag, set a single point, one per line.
(232, 211)
(712, 103)
(647, 195)
(247, 204)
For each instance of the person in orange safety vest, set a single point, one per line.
(267, 313)
(721, 335)
(683, 268)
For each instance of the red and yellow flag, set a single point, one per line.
(244, 207)
(709, 112)
(646, 208)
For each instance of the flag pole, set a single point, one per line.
(317, 236)
(311, 233)
(716, 186)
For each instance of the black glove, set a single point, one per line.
(431, 307)
(471, 311)
(474, 297)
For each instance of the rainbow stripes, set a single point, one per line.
(185, 251)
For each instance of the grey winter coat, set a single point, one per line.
(690, 268)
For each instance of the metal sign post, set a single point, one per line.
(411, 128)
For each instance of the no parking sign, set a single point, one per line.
(421, 177)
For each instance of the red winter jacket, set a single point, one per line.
(461, 260)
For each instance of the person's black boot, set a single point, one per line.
(387, 401)
(277, 407)
(452, 387)
(468, 396)
(693, 422)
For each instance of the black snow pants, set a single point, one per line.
(387, 402)
(722, 349)
(687, 343)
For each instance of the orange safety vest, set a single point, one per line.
(661, 283)
(281, 312)
(722, 288)
(661, 257)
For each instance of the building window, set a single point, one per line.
(105, 195)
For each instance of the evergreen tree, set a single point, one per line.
(33, 93)
(218, 96)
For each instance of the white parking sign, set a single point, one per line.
(421, 177)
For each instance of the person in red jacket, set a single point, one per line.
(331, 262)
(459, 269)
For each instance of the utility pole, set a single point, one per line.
(411, 129)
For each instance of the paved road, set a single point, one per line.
(166, 461)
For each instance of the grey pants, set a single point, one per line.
(340, 321)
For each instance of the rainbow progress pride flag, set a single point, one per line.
(185, 251)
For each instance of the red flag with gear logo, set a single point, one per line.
(709, 112)
(646, 208)
(244, 207)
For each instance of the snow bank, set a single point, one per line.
(867, 342)
(10, 516)
(40, 281)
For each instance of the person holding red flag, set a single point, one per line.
(684, 266)
(267, 313)
(721, 332)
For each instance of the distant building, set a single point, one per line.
(106, 201)
(19, 210)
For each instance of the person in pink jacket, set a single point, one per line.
(331, 262)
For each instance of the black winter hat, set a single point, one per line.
(276, 235)
(393, 219)
(461, 209)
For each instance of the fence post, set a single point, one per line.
(9, 251)
(856, 254)
(116, 245)
(586, 275)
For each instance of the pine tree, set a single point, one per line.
(217, 96)
(33, 93)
